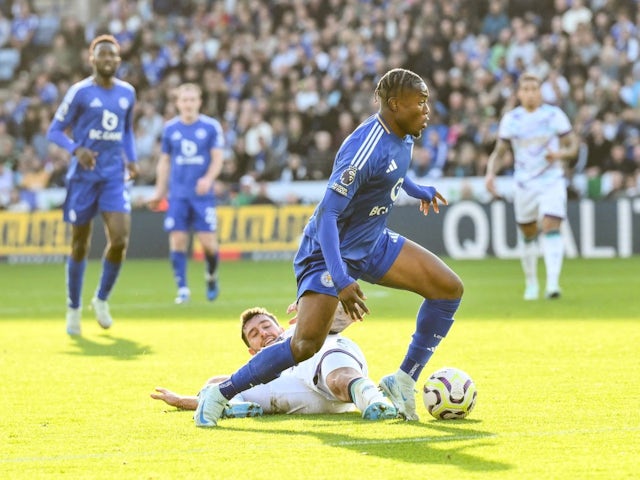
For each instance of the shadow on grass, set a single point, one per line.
(429, 448)
(109, 346)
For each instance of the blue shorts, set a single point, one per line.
(197, 213)
(312, 274)
(86, 198)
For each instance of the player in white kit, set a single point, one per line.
(334, 380)
(542, 141)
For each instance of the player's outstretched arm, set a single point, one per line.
(428, 196)
(183, 402)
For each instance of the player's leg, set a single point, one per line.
(177, 224)
(80, 206)
(341, 370)
(205, 223)
(178, 245)
(553, 207)
(209, 242)
(76, 266)
(525, 204)
(418, 270)
(117, 227)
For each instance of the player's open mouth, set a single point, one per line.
(269, 341)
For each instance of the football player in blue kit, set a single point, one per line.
(191, 160)
(98, 111)
(346, 239)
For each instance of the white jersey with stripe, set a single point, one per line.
(532, 135)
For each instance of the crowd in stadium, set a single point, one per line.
(290, 79)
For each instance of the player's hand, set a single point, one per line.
(203, 186)
(425, 205)
(86, 158)
(290, 309)
(132, 168)
(154, 202)
(351, 297)
(167, 396)
(490, 183)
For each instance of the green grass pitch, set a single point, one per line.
(558, 381)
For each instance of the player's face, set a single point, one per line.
(261, 331)
(105, 59)
(529, 94)
(188, 103)
(412, 111)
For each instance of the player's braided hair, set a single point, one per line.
(103, 38)
(248, 314)
(394, 82)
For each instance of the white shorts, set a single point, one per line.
(303, 388)
(536, 200)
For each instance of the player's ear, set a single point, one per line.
(392, 103)
(252, 352)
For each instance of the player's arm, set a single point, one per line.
(215, 167)
(568, 150)
(129, 144)
(495, 159)
(349, 292)
(427, 195)
(184, 402)
(162, 180)
(57, 133)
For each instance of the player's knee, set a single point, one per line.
(119, 243)
(450, 287)
(305, 348)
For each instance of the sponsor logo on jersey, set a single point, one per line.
(188, 148)
(326, 279)
(109, 123)
(375, 211)
(95, 103)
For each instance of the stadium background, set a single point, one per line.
(290, 79)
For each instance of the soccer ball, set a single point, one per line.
(449, 393)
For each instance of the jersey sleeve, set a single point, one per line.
(128, 139)
(563, 124)
(64, 116)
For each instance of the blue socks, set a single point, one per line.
(110, 273)
(75, 279)
(433, 321)
(212, 264)
(263, 367)
(179, 265)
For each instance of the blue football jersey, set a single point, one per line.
(100, 119)
(369, 170)
(189, 148)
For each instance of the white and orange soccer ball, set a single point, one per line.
(449, 393)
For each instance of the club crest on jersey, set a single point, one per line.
(123, 102)
(326, 279)
(348, 176)
(201, 133)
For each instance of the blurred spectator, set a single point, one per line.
(306, 67)
(495, 20)
(6, 183)
(320, 156)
